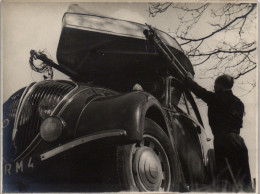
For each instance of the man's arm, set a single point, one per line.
(199, 91)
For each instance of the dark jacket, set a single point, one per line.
(225, 111)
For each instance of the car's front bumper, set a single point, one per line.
(47, 168)
(80, 141)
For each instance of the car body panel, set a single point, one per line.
(89, 110)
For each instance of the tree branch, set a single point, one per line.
(223, 51)
(188, 40)
(245, 72)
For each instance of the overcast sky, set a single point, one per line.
(37, 26)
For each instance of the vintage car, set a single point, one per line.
(124, 122)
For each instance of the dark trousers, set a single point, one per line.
(232, 162)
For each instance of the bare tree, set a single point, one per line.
(218, 38)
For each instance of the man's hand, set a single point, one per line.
(189, 75)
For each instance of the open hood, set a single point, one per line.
(92, 45)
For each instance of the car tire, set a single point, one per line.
(151, 165)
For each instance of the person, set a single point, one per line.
(225, 114)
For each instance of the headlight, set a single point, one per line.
(47, 105)
(51, 129)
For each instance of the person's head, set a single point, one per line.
(224, 82)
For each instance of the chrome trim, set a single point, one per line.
(71, 98)
(82, 140)
(24, 97)
(65, 97)
(67, 81)
(184, 115)
(93, 99)
(17, 111)
(24, 154)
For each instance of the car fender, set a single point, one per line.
(123, 111)
(113, 117)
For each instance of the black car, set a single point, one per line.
(124, 122)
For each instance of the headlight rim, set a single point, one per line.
(61, 122)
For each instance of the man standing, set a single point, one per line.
(225, 114)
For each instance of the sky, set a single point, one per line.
(37, 26)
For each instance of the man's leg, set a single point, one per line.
(238, 159)
(224, 178)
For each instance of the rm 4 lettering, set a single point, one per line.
(17, 167)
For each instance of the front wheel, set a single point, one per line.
(150, 165)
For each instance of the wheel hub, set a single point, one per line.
(147, 168)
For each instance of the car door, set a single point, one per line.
(187, 133)
(205, 139)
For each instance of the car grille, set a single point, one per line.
(10, 107)
(30, 120)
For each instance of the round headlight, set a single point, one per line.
(47, 105)
(51, 129)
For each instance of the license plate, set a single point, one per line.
(19, 167)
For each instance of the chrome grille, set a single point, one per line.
(10, 107)
(13, 108)
(29, 120)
